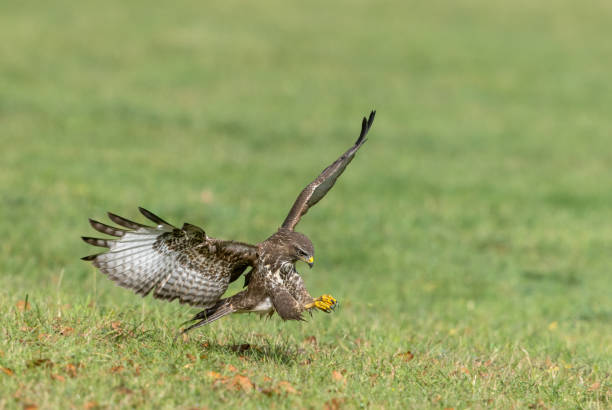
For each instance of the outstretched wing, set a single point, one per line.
(326, 180)
(174, 263)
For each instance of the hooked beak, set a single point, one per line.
(310, 261)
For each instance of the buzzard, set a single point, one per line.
(187, 264)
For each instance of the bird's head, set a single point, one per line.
(295, 246)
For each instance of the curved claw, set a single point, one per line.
(326, 303)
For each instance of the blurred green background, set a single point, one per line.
(473, 225)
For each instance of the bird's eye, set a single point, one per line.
(301, 252)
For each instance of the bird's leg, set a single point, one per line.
(326, 303)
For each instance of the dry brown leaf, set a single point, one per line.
(116, 325)
(116, 369)
(44, 336)
(310, 340)
(30, 406)
(124, 390)
(333, 404)
(191, 357)
(465, 371)
(66, 331)
(71, 370)
(594, 386)
(337, 376)
(539, 405)
(90, 405)
(203, 356)
(406, 356)
(239, 382)
(231, 368)
(58, 377)
(7, 371)
(214, 375)
(22, 305)
(286, 387)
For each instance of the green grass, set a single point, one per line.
(472, 230)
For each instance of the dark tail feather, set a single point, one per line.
(223, 308)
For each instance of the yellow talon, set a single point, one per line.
(325, 303)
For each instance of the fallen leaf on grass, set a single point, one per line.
(90, 405)
(7, 371)
(58, 377)
(124, 390)
(333, 404)
(116, 369)
(337, 376)
(191, 357)
(539, 405)
(239, 382)
(71, 370)
(594, 386)
(44, 336)
(231, 368)
(116, 325)
(312, 340)
(406, 356)
(23, 305)
(30, 406)
(214, 375)
(286, 387)
(66, 331)
(283, 387)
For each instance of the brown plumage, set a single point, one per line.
(188, 265)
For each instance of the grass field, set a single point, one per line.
(469, 243)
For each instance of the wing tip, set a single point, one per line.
(152, 217)
(103, 243)
(366, 123)
(106, 229)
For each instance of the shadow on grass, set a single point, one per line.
(280, 353)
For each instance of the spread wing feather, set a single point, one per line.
(172, 263)
(326, 180)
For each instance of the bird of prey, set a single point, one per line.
(187, 264)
